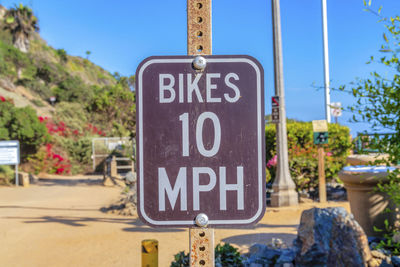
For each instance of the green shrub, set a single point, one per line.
(38, 103)
(80, 150)
(7, 55)
(303, 159)
(6, 174)
(114, 106)
(225, 256)
(38, 87)
(73, 89)
(17, 58)
(72, 114)
(62, 54)
(180, 260)
(48, 72)
(22, 124)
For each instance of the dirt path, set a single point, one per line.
(58, 223)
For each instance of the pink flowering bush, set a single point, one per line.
(68, 147)
(47, 160)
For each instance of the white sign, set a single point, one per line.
(320, 126)
(336, 109)
(9, 152)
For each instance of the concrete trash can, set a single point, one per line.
(367, 204)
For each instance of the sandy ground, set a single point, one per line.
(58, 222)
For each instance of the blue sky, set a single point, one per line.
(122, 33)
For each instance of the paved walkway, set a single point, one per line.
(59, 223)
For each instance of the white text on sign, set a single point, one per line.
(168, 84)
(180, 187)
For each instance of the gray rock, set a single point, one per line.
(262, 255)
(396, 261)
(130, 178)
(330, 237)
(385, 264)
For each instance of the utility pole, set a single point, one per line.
(284, 188)
(326, 62)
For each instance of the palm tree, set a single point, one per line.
(21, 22)
(88, 54)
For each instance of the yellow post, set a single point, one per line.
(150, 253)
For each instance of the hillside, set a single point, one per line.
(65, 100)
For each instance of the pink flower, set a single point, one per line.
(2, 99)
(328, 154)
(272, 162)
(59, 170)
(56, 156)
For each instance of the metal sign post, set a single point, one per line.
(320, 128)
(321, 174)
(200, 139)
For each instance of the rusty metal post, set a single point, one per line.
(202, 247)
(150, 253)
(199, 38)
(321, 174)
(199, 42)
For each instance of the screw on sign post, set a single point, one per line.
(320, 128)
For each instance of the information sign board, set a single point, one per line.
(9, 153)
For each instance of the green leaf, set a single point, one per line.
(10, 20)
(386, 222)
(369, 3)
(385, 38)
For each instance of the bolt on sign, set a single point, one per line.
(200, 140)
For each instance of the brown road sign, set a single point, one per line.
(200, 140)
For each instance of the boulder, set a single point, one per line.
(396, 261)
(330, 237)
(262, 255)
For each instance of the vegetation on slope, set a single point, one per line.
(88, 101)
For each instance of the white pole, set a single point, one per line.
(326, 61)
